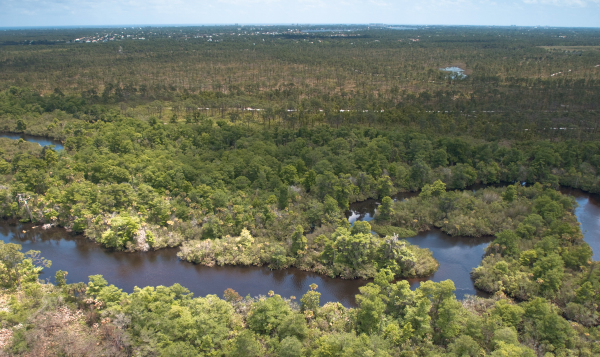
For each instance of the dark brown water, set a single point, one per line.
(81, 258)
(457, 255)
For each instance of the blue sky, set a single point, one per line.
(568, 13)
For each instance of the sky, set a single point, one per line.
(564, 13)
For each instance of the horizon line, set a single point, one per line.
(24, 27)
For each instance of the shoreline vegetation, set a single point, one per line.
(237, 224)
(97, 318)
(165, 146)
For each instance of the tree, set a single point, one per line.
(310, 178)
(549, 272)
(360, 227)
(436, 189)
(510, 194)
(446, 313)
(463, 175)
(420, 174)
(122, 229)
(384, 186)
(465, 346)
(234, 116)
(96, 284)
(371, 308)
(60, 278)
(283, 197)
(246, 345)
(290, 347)
(298, 241)
(511, 314)
(50, 156)
(507, 241)
(355, 250)
(268, 314)
(440, 158)
(310, 301)
(17, 267)
(289, 175)
(385, 210)
(343, 189)
(542, 323)
(294, 325)
(511, 350)
(21, 125)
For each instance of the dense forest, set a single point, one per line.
(246, 146)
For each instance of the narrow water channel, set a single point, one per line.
(81, 258)
(588, 214)
(457, 255)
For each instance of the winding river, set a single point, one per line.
(80, 258)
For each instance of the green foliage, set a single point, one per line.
(510, 194)
(437, 189)
(60, 278)
(310, 301)
(232, 193)
(21, 126)
(371, 311)
(246, 344)
(122, 230)
(17, 268)
(465, 346)
(508, 242)
(294, 325)
(268, 315)
(298, 241)
(390, 318)
(290, 347)
(385, 210)
(510, 314)
(96, 284)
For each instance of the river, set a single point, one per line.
(457, 255)
(80, 258)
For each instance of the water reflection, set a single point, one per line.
(34, 139)
(588, 214)
(457, 255)
(456, 72)
(81, 258)
(365, 210)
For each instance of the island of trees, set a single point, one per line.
(247, 146)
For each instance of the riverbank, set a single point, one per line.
(81, 257)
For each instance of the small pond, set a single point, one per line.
(34, 139)
(455, 72)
